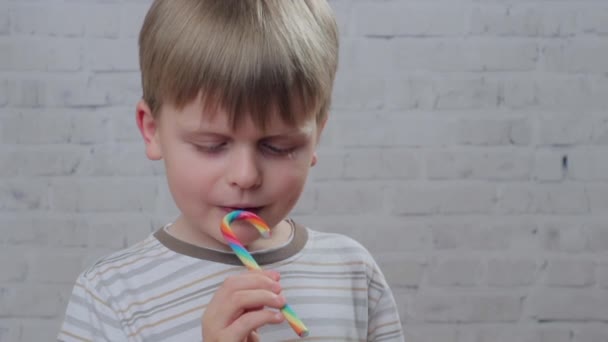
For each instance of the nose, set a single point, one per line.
(244, 170)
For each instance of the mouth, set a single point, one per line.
(255, 210)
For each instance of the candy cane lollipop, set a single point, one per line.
(296, 324)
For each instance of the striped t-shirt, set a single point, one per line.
(158, 289)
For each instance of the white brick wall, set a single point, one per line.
(473, 134)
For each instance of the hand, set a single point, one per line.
(237, 308)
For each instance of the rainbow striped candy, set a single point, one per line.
(296, 324)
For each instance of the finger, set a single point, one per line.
(250, 280)
(254, 309)
(253, 337)
(244, 325)
(248, 301)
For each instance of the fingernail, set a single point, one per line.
(276, 288)
(278, 316)
(276, 275)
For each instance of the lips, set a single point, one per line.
(252, 209)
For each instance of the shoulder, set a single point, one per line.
(123, 261)
(339, 247)
(320, 238)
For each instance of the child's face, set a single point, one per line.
(213, 169)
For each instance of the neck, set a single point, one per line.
(181, 230)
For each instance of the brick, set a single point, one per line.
(599, 133)
(591, 333)
(45, 161)
(23, 195)
(116, 89)
(430, 199)
(381, 164)
(43, 266)
(598, 237)
(564, 130)
(383, 131)
(41, 55)
(463, 93)
(524, 20)
(102, 20)
(71, 126)
(570, 273)
(566, 198)
(548, 165)
(112, 55)
(430, 333)
(103, 195)
(455, 272)
(589, 164)
(306, 203)
(343, 10)
(131, 19)
(580, 55)
(14, 270)
(492, 132)
(468, 236)
(33, 301)
(523, 334)
(4, 24)
(466, 308)
(4, 89)
(352, 92)
(602, 275)
(9, 168)
(49, 20)
(402, 272)
(564, 92)
(330, 165)
(342, 198)
(463, 55)
(118, 160)
(517, 93)
(476, 164)
(391, 245)
(593, 19)
(38, 329)
(410, 93)
(165, 203)
(68, 91)
(25, 93)
(563, 237)
(582, 305)
(596, 194)
(44, 231)
(110, 233)
(358, 54)
(10, 329)
(511, 272)
(418, 20)
(123, 127)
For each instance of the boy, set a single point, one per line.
(235, 96)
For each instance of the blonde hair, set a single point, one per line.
(249, 57)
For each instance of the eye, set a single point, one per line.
(277, 150)
(211, 148)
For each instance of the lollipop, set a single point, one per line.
(246, 258)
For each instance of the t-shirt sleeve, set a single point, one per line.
(384, 323)
(89, 316)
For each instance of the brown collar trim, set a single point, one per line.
(293, 247)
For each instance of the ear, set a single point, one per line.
(320, 128)
(148, 126)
